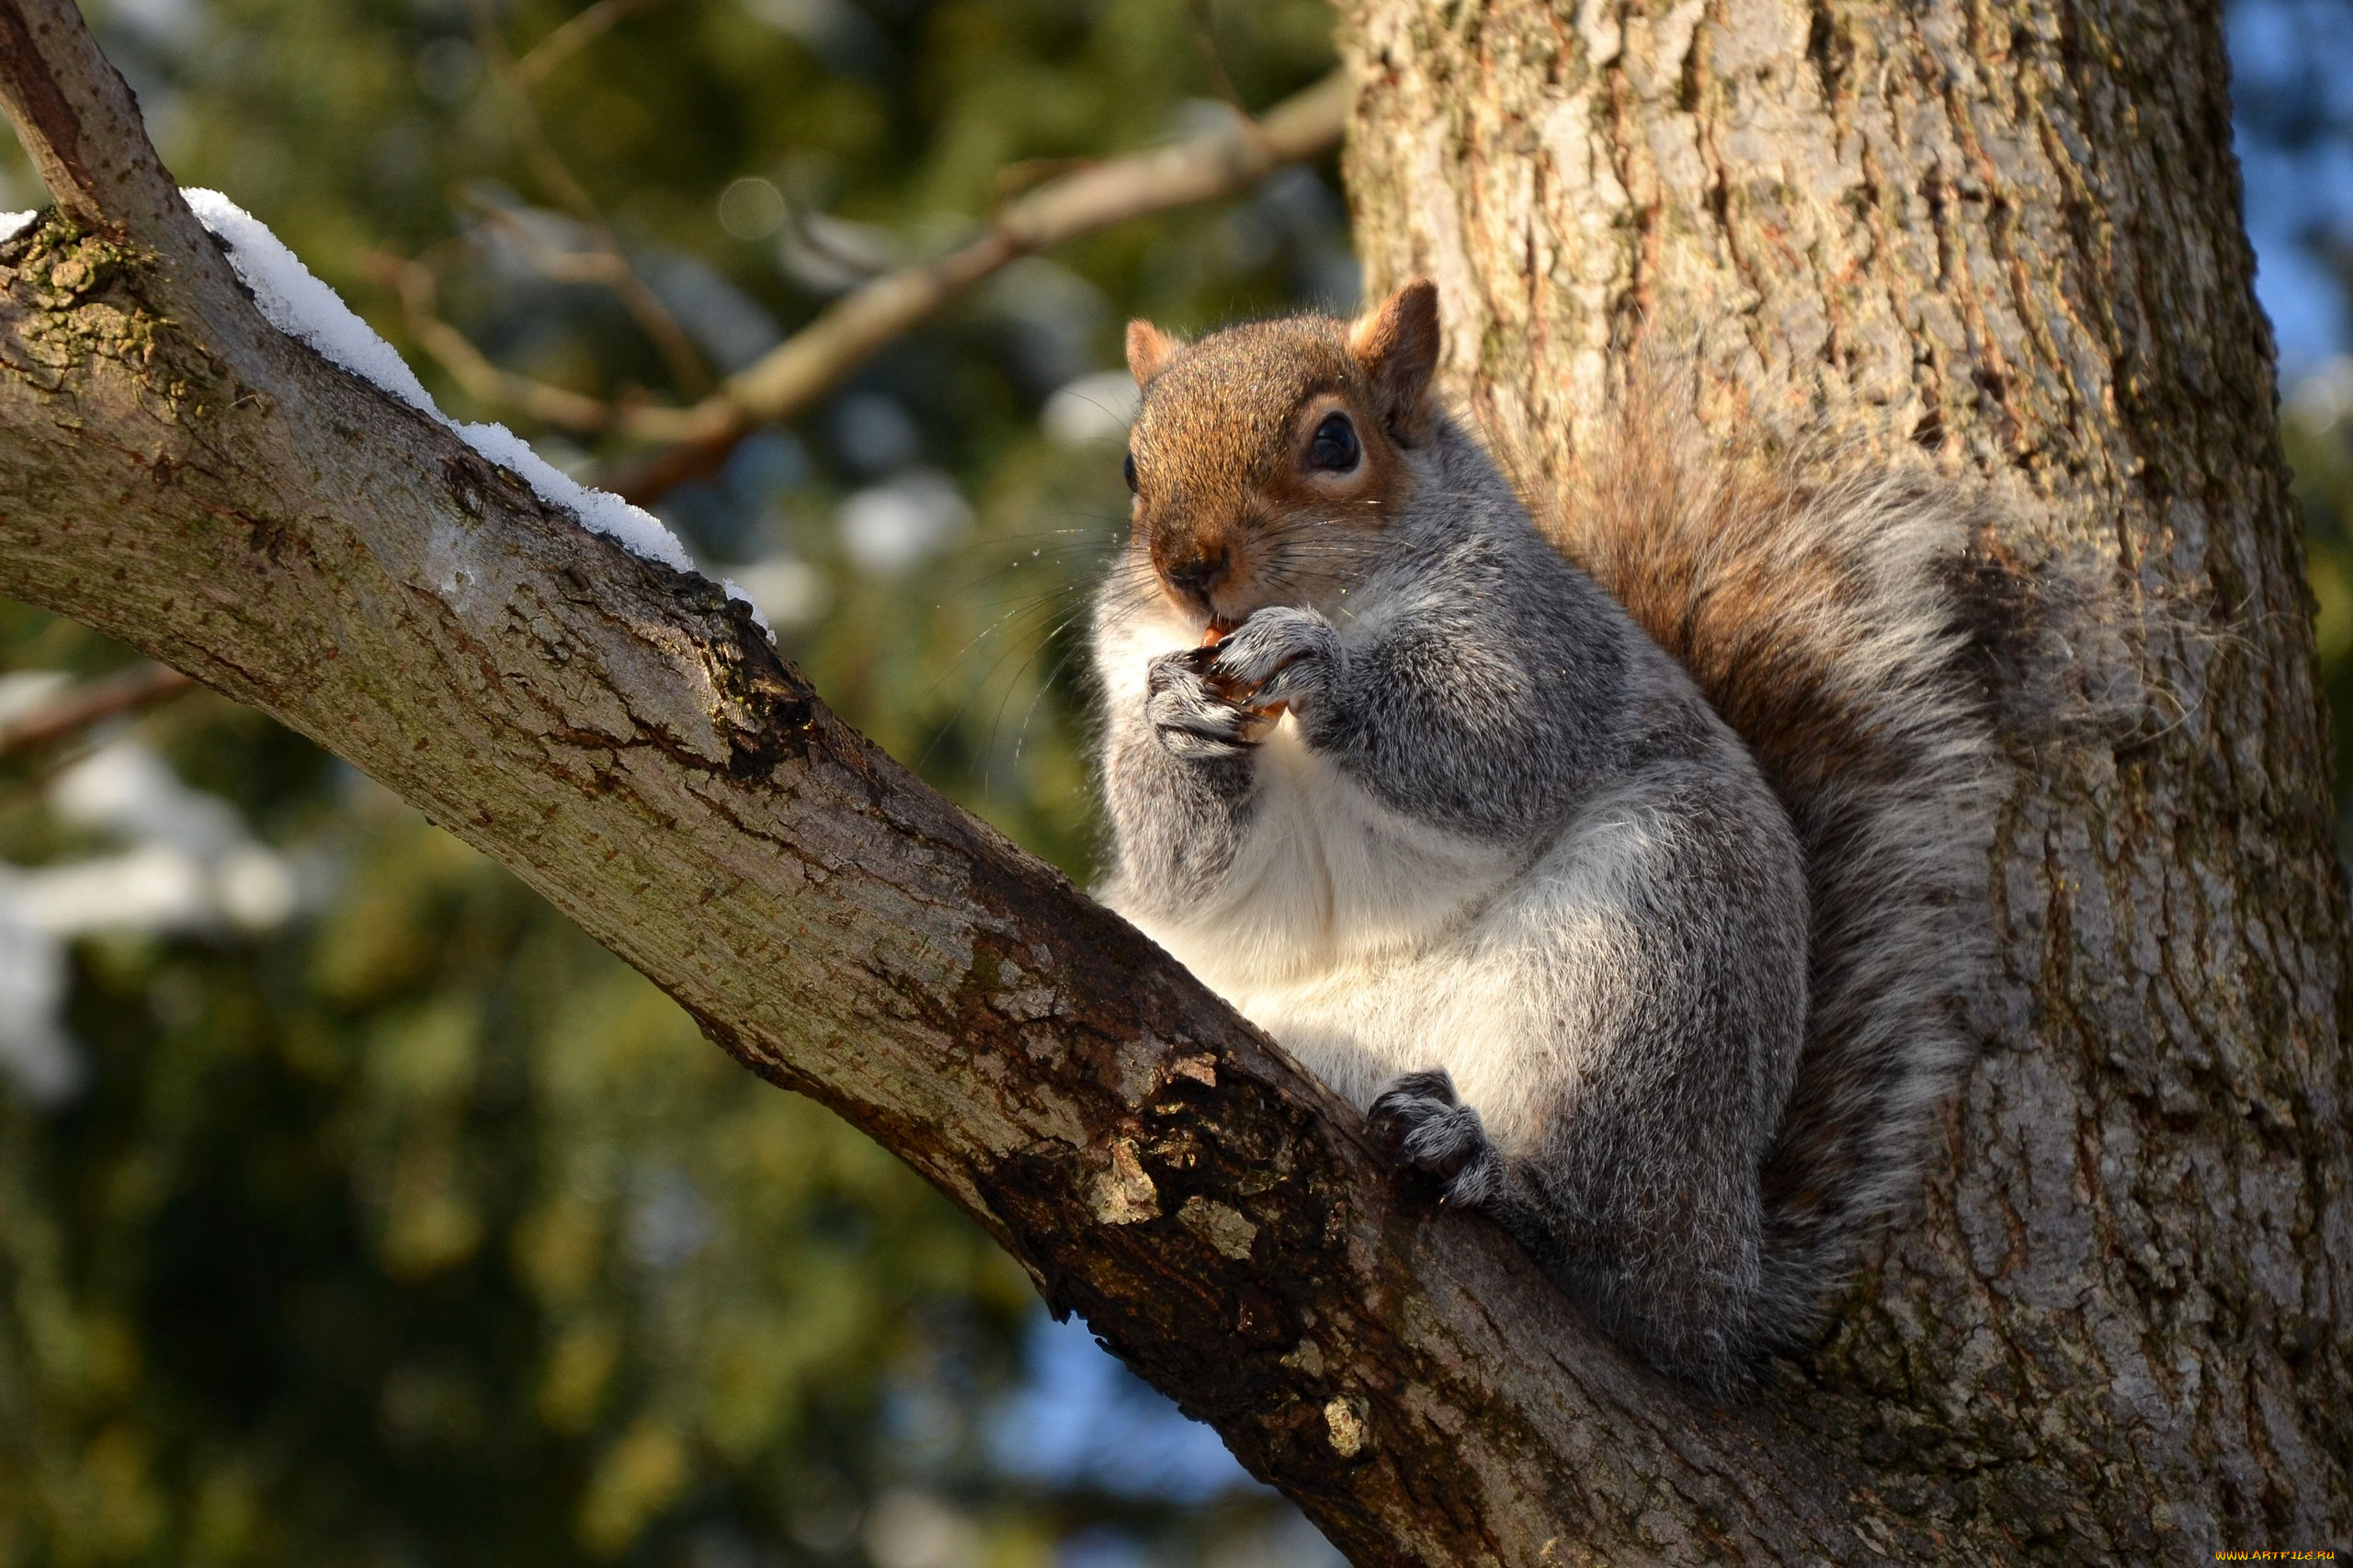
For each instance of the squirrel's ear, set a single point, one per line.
(1397, 344)
(1148, 350)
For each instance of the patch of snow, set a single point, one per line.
(1098, 407)
(2325, 395)
(788, 591)
(743, 596)
(600, 511)
(15, 223)
(191, 866)
(909, 1528)
(293, 299)
(153, 888)
(36, 1055)
(129, 792)
(256, 888)
(887, 527)
(24, 691)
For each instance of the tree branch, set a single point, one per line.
(644, 306)
(629, 742)
(574, 35)
(792, 376)
(418, 290)
(93, 702)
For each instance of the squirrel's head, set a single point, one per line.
(1266, 460)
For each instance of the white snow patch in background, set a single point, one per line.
(127, 791)
(24, 691)
(15, 223)
(296, 304)
(1098, 407)
(887, 527)
(191, 866)
(34, 1054)
(789, 592)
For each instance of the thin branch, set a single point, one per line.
(677, 351)
(417, 286)
(561, 45)
(796, 373)
(1212, 58)
(600, 268)
(91, 703)
(790, 378)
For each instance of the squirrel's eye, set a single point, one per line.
(1333, 447)
(1130, 469)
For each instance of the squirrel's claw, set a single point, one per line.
(1419, 1124)
(1192, 718)
(1279, 656)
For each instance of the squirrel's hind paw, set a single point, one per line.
(1419, 1124)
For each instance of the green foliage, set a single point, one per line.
(2318, 435)
(418, 1228)
(428, 1227)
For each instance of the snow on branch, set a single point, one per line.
(295, 302)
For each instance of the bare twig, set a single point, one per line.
(1028, 174)
(561, 45)
(418, 288)
(797, 372)
(678, 353)
(598, 266)
(790, 377)
(93, 702)
(1212, 59)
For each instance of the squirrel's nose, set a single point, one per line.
(1203, 573)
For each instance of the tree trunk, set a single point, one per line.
(2007, 231)
(174, 470)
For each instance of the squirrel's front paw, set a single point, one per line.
(1279, 657)
(1419, 1124)
(1192, 718)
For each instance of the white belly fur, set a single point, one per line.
(1371, 945)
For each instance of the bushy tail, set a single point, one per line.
(1836, 627)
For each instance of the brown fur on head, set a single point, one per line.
(1241, 501)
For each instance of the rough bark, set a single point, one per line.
(177, 473)
(2008, 231)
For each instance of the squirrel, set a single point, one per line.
(1625, 868)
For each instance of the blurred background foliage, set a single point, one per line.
(354, 1209)
(2293, 96)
